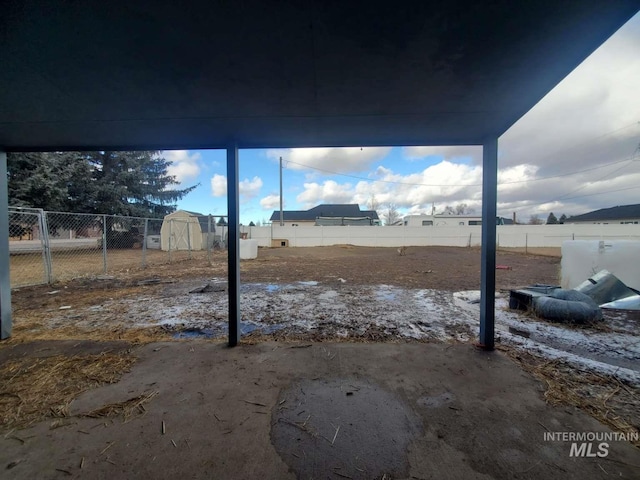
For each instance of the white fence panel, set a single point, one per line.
(507, 236)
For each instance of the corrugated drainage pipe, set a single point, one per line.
(567, 306)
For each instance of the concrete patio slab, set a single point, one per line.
(316, 410)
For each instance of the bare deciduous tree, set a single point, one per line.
(391, 214)
(373, 203)
(535, 220)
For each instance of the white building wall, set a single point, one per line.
(440, 220)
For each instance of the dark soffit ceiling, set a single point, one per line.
(168, 74)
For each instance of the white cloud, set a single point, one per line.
(248, 188)
(218, 185)
(341, 160)
(328, 192)
(184, 166)
(444, 183)
(271, 202)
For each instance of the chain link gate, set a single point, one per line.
(29, 258)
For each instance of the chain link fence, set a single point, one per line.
(46, 247)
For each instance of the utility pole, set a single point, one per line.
(281, 212)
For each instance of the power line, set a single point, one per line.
(456, 184)
(627, 163)
(514, 182)
(531, 203)
(602, 193)
(598, 180)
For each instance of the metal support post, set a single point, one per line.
(233, 202)
(144, 242)
(488, 255)
(210, 239)
(104, 243)
(5, 282)
(46, 246)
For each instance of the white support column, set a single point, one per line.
(5, 283)
(488, 255)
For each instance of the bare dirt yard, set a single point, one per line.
(310, 298)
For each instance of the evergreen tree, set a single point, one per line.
(563, 218)
(51, 181)
(551, 219)
(133, 184)
(119, 183)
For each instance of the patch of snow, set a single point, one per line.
(343, 310)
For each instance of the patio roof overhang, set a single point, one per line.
(255, 74)
(94, 74)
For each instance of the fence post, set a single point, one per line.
(144, 242)
(526, 243)
(46, 246)
(209, 239)
(104, 243)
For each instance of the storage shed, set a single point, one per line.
(182, 230)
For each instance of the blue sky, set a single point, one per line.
(576, 151)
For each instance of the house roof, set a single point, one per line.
(621, 212)
(156, 75)
(325, 210)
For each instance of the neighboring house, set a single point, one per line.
(620, 214)
(446, 220)
(327, 214)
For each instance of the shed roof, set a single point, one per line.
(161, 75)
(203, 220)
(325, 210)
(191, 214)
(620, 212)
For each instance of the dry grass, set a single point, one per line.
(135, 336)
(28, 268)
(33, 389)
(604, 398)
(128, 408)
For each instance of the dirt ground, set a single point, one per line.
(446, 269)
(316, 296)
(441, 268)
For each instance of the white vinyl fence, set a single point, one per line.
(508, 236)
